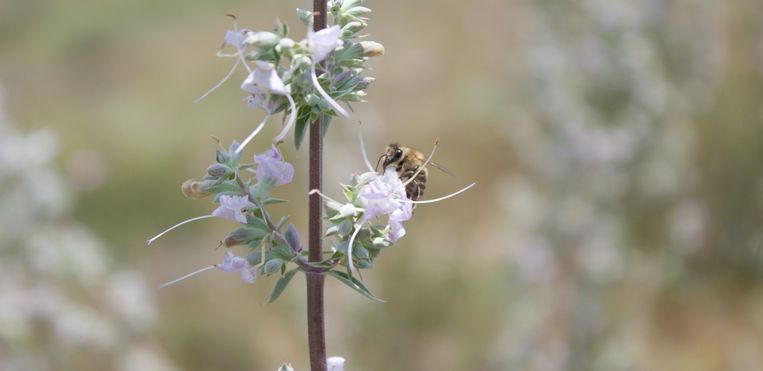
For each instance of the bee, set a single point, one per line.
(409, 163)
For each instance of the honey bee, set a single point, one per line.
(408, 163)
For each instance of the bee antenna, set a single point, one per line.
(379, 161)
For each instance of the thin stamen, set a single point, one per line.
(239, 51)
(323, 196)
(148, 242)
(219, 83)
(441, 198)
(289, 123)
(325, 95)
(186, 276)
(350, 265)
(434, 148)
(363, 147)
(251, 136)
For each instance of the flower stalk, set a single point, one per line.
(316, 330)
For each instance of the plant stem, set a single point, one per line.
(315, 322)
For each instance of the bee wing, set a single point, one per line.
(441, 168)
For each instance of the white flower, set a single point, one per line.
(232, 207)
(323, 42)
(335, 364)
(264, 80)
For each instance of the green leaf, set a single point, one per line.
(325, 125)
(281, 222)
(348, 55)
(223, 186)
(354, 284)
(260, 190)
(281, 285)
(281, 29)
(303, 121)
(273, 200)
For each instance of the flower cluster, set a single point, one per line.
(304, 78)
(271, 245)
(372, 216)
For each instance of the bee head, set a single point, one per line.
(393, 155)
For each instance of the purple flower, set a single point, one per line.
(270, 166)
(236, 38)
(232, 207)
(396, 219)
(233, 263)
(382, 195)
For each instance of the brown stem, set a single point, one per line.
(316, 334)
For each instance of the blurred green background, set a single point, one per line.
(616, 224)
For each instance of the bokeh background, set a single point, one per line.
(617, 222)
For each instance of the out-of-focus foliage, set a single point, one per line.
(616, 145)
(64, 305)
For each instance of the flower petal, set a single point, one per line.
(323, 42)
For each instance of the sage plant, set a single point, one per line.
(308, 81)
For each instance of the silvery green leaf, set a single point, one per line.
(305, 16)
(332, 230)
(381, 242)
(359, 251)
(345, 227)
(342, 246)
(273, 200)
(227, 187)
(346, 55)
(349, 4)
(260, 190)
(354, 284)
(281, 285)
(303, 121)
(254, 257)
(281, 28)
(358, 11)
(281, 222)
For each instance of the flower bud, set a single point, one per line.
(352, 28)
(285, 46)
(244, 236)
(273, 266)
(218, 170)
(195, 189)
(301, 60)
(372, 48)
(365, 82)
(261, 39)
(312, 100)
(357, 11)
